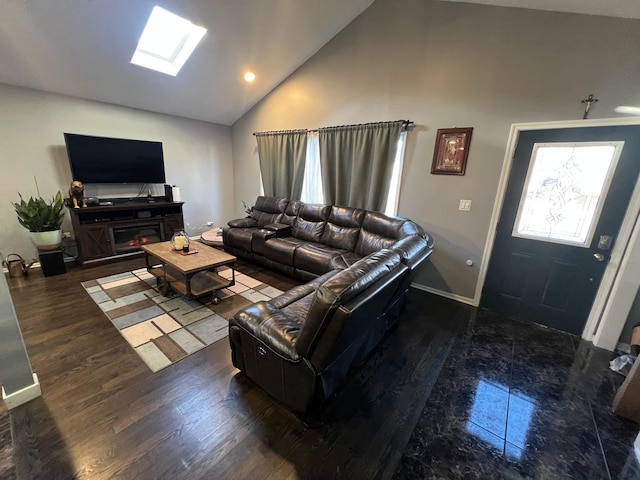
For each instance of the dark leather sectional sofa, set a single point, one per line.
(358, 266)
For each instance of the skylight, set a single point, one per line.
(166, 42)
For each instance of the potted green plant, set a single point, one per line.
(43, 219)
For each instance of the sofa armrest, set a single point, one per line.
(243, 222)
(280, 229)
(260, 236)
(301, 291)
(272, 326)
(258, 239)
(413, 249)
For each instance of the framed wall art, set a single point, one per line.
(451, 151)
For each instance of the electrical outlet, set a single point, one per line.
(465, 205)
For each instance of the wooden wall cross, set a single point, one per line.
(587, 105)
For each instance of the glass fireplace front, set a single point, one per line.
(130, 238)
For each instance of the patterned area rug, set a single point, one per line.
(164, 330)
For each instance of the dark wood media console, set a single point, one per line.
(116, 232)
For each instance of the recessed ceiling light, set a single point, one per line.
(166, 42)
(249, 76)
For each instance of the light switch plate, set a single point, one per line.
(465, 205)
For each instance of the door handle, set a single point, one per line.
(599, 257)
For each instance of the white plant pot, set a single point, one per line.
(47, 240)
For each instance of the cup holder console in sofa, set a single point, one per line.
(358, 266)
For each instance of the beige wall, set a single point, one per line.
(441, 65)
(197, 156)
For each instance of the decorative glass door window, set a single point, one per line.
(564, 191)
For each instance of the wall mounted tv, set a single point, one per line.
(114, 160)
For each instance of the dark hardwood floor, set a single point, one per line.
(103, 414)
(7, 467)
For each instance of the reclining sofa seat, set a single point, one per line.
(300, 346)
(308, 240)
(277, 246)
(336, 241)
(267, 210)
(358, 266)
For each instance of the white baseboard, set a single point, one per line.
(452, 296)
(22, 396)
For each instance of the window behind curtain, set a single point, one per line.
(312, 182)
(396, 178)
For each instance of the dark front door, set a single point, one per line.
(566, 197)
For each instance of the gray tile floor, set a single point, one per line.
(516, 400)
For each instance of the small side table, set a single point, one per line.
(52, 262)
(211, 237)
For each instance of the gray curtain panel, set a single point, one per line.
(282, 158)
(357, 162)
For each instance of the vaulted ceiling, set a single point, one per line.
(608, 8)
(83, 48)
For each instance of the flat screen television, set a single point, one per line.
(114, 160)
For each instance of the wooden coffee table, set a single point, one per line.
(194, 275)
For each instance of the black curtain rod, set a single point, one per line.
(406, 124)
(273, 132)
